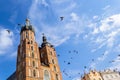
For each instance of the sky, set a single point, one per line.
(90, 28)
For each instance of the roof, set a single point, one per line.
(27, 28)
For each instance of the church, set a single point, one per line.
(35, 62)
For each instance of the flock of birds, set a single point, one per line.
(61, 18)
(75, 52)
(68, 63)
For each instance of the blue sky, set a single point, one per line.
(90, 27)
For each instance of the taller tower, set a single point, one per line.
(33, 62)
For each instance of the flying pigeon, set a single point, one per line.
(8, 31)
(61, 18)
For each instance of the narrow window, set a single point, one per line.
(31, 47)
(31, 42)
(53, 61)
(36, 64)
(34, 73)
(32, 55)
(54, 68)
(33, 63)
(51, 52)
(57, 78)
(26, 35)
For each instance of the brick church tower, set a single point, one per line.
(34, 62)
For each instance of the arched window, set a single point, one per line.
(33, 63)
(26, 34)
(57, 78)
(53, 61)
(34, 73)
(51, 52)
(31, 42)
(46, 75)
(31, 47)
(32, 55)
(54, 68)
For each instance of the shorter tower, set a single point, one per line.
(49, 62)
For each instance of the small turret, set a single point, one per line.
(45, 43)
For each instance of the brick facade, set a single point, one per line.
(34, 62)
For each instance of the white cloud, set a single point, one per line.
(5, 40)
(45, 3)
(13, 17)
(75, 17)
(102, 58)
(62, 31)
(96, 30)
(99, 60)
(106, 7)
(95, 17)
(77, 78)
(106, 35)
(14, 54)
(116, 64)
(60, 1)
(101, 33)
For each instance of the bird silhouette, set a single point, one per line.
(58, 55)
(19, 24)
(68, 63)
(61, 18)
(8, 31)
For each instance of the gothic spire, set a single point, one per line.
(27, 22)
(44, 38)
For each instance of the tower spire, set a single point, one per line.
(27, 22)
(44, 38)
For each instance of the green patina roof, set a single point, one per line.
(27, 28)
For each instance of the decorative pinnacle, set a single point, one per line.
(27, 22)
(44, 38)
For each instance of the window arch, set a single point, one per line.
(55, 68)
(57, 78)
(33, 63)
(32, 54)
(46, 75)
(31, 47)
(34, 73)
(31, 42)
(53, 61)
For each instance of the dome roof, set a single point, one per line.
(45, 43)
